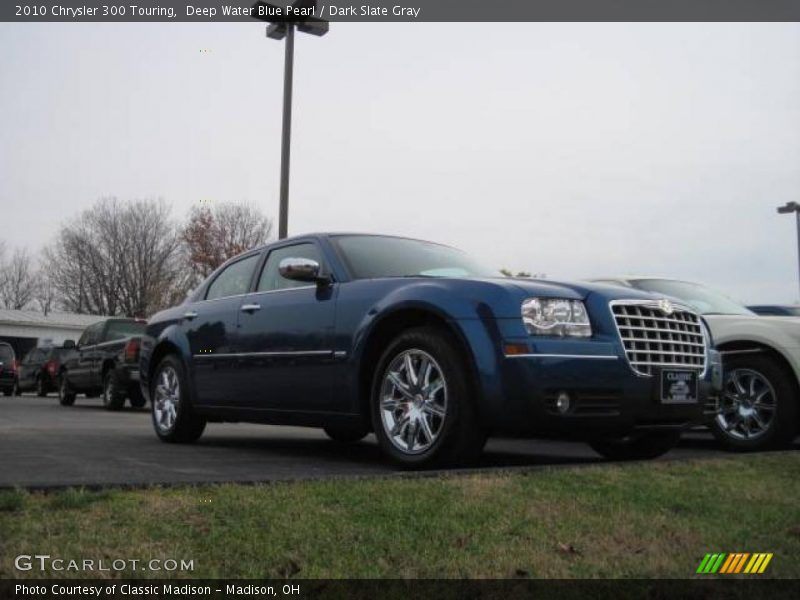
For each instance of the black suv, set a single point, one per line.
(8, 370)
(39, 369)
(105, 361)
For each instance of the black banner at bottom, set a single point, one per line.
(616, 589)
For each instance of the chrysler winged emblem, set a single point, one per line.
(666, 306)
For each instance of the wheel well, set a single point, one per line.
(765, 350)
(107, 366)
(385, 331)
(160, 351)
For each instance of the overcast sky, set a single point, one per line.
(575, 150)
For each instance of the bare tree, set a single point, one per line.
(18, 281)
(45, 295)
(119, 259)
(213, 235)
(520, 274)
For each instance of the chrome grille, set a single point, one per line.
(654, 338)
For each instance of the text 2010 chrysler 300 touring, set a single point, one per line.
(418, 343)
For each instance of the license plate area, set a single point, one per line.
(678, 387)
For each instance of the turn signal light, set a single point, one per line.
(515, 349)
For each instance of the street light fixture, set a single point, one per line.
(793, 207)
(282, 26)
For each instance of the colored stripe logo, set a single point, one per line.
(736, 562)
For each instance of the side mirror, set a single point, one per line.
(69, 343)
(301, 269)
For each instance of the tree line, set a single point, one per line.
(128, 258)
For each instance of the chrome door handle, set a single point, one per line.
(250, 308)
(190, 315)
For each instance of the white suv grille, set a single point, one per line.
(659, 334)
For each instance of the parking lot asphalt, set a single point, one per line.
(43, 444)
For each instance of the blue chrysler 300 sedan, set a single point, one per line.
(419, 344)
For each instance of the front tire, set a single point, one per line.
(422, 404)
(66, 397)
(642, 446)
(758, 405)
(113, 393)
(41, 390)
(174, 420)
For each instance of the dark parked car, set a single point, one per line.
(105, 361)
(418, 343)
(776, 310)
(8, 370)
(39, 369)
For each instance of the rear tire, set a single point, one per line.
(422, 403)
(174, 420)
(9, 392)
(113, 392)
(758, 405)
(66, 397)
(643, 446)
(136, 399)
(346, 435)
(41, 390)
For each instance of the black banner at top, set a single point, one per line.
(399, 10)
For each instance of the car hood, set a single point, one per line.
(574, 289)
(775, 331)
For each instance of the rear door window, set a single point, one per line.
(234, 280)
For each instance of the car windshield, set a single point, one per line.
(372, 257)
(704, 300)
(778, 311)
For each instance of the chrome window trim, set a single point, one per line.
(220, 298)
(289, 289)
(655, 304)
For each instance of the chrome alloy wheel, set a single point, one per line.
(167, 399)
(413, 400)
(747, 406)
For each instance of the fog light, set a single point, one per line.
(563, 402)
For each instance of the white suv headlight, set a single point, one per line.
(556, 316)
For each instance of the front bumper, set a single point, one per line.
(606, 396)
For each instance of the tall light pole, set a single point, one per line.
(283, 25)
(793, 207)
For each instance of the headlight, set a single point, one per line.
(556, 316)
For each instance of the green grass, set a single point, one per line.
(635, 520)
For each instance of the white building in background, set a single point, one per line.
(26, 329)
